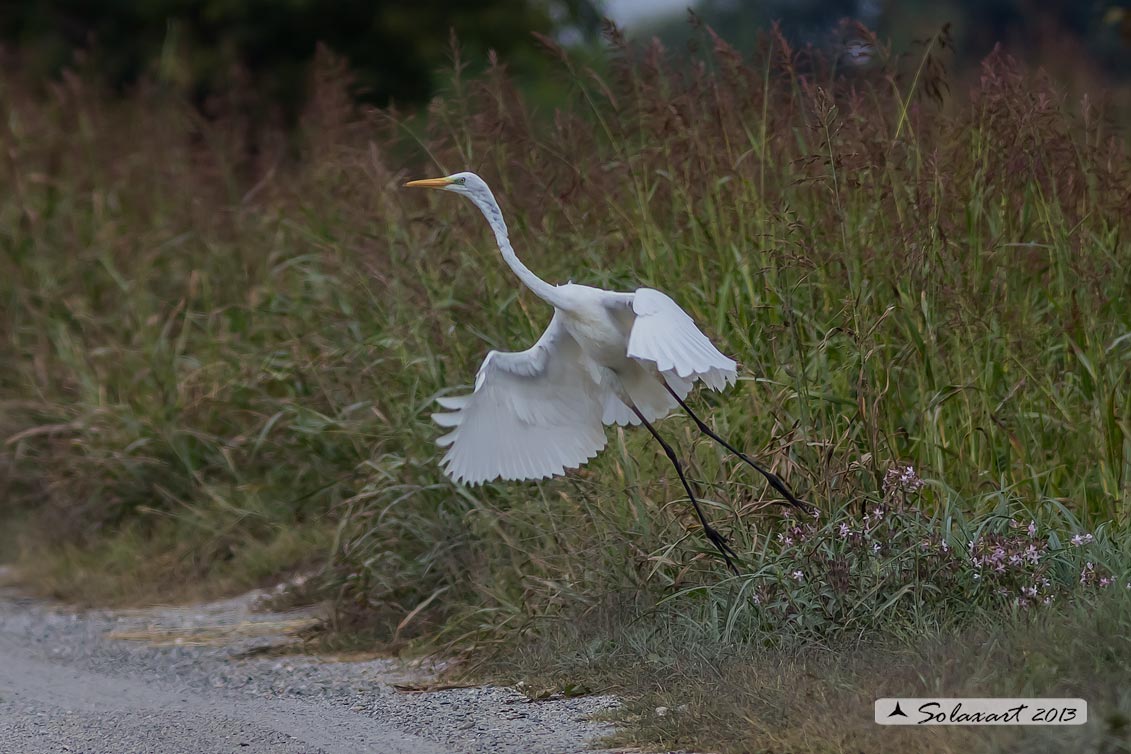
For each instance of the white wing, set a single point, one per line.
(664, 334)
(533, 414)
(647, 392)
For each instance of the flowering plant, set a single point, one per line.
(891, 559)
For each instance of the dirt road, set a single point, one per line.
(217, 678)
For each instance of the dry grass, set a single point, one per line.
(819, 699)
(217, 635)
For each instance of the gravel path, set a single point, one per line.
(168, 680)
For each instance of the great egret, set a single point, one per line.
(606, 358)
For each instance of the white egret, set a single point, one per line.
(606, 358)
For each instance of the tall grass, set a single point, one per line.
(221, 342)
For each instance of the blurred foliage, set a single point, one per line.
(393, 48)
(1054, 33)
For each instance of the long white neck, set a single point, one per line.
(486, 203)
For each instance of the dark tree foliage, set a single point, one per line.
(1096, 32)
(393, 47)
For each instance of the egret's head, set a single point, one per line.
(475, 189)
(468, 184)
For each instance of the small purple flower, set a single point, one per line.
(798, 575)
(1088, 573)
(1032, 528)
(1029, 591)
(875, 548)
(903, 480)
(1106, 580)
(1081, 539)
(1032, 555)
(944, 545)
(844, 531)
(787, 541)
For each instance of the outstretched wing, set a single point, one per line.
(532, 414)
(664, 334)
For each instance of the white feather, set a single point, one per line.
(533, 414)
(665, 335)
(644, 386)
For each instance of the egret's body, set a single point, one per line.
(606, 358)
(602, 337)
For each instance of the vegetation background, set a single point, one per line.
(224, 325)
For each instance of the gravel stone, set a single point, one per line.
(169, 680)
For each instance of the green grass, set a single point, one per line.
(220, 347)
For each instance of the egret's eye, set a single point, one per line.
(461, 181)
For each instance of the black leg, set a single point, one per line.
(716, 539)
(774, 480)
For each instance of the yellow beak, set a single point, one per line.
(429, 183)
